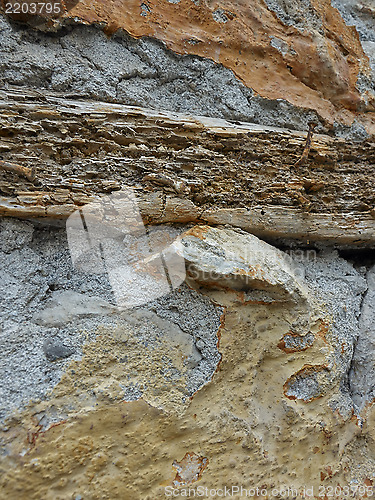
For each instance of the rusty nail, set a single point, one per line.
(306, 149)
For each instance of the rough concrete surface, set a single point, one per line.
(256, 370)
(362, 371)
(362, 16)
(300, 52)
(81, 60)
(49, 309)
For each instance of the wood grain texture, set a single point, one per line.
(232, 173)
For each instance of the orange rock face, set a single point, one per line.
(307, 56)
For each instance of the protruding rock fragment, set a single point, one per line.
(293, 342)
(29, 173)
(228, 258)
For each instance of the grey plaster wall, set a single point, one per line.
(83, 61)
(362, 373)
(362, 16)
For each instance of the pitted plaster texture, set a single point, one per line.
(258, 369)
(270, 411)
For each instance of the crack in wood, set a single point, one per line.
(214, 171)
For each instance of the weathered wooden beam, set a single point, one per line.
(184, 169)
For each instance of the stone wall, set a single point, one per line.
(185, 303)
(281, 63)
